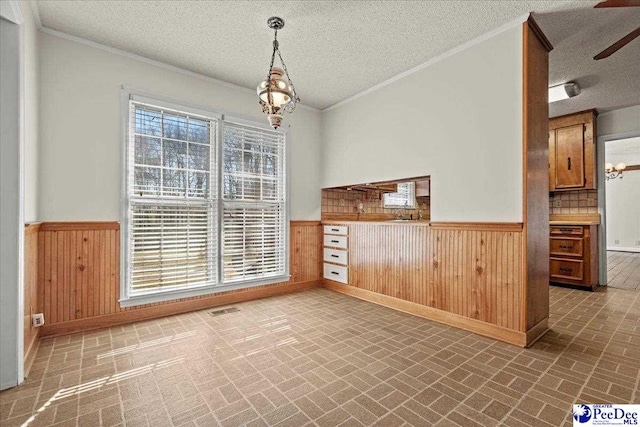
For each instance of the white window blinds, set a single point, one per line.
(405, 197)
(202, 213)
(172, 203)
(254, 203)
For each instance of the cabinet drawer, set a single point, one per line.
(337, 273)
(566, 269)
(335, 255)
(336, 229)
(566, 246)
(335, 241)
(567, 230)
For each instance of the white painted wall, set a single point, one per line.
(31, 109)
(11, 212)
(620, 121)
(81, 131)
(458, 120)
(623, 197)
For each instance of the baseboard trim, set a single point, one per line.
(479, 327)
(30, 354)
(537, 331)
(154, 312)
(622, 249)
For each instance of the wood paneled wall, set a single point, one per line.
(305, 253)
(30, 292)
(473, 272)
(78, 276)
(78, 270)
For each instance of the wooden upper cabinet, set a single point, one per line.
(570, 157)
(423, 188)
(572, 152)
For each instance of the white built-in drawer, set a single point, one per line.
(335, 241)
(336, 229)
(337, 273)
(335, 255)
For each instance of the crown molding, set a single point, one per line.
(150, 61)
(36, 14)
(498, 30)
(10, 10)
(507, 26)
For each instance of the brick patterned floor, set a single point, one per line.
(623, 270)
(325, 359)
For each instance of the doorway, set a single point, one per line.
(622, 204)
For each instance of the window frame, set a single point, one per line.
(159, 295)
(405, 206)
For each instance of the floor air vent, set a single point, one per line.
(220, 312)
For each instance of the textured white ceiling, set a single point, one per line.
(577, 36)
(333, 49)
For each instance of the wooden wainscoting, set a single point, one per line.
(78, 277)
(477, 273)
(78, 270)
(471, 272)
(467, 275)
(30, 293)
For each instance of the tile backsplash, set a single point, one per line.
(573, 202)
(338, 201)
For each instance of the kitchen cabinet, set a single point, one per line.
(574, 255)
(335, 253)
(423, 188)
(572, 152)
(383, 187)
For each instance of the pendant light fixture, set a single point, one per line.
(277, 93)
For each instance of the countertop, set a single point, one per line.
(387, 222)
(578, 219)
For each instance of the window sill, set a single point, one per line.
(172, 295)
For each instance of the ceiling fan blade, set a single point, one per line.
(618, 3)
(618, 45)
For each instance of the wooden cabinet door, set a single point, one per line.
(569, 157)
(423, 188)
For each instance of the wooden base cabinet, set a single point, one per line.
(574, 256)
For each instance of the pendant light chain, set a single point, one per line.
(293, 88)
(273, 57)
(276, 49)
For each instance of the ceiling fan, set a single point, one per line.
(626, 39)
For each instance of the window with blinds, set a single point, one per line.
(405, 197)
(253, 203)
(201, 211)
